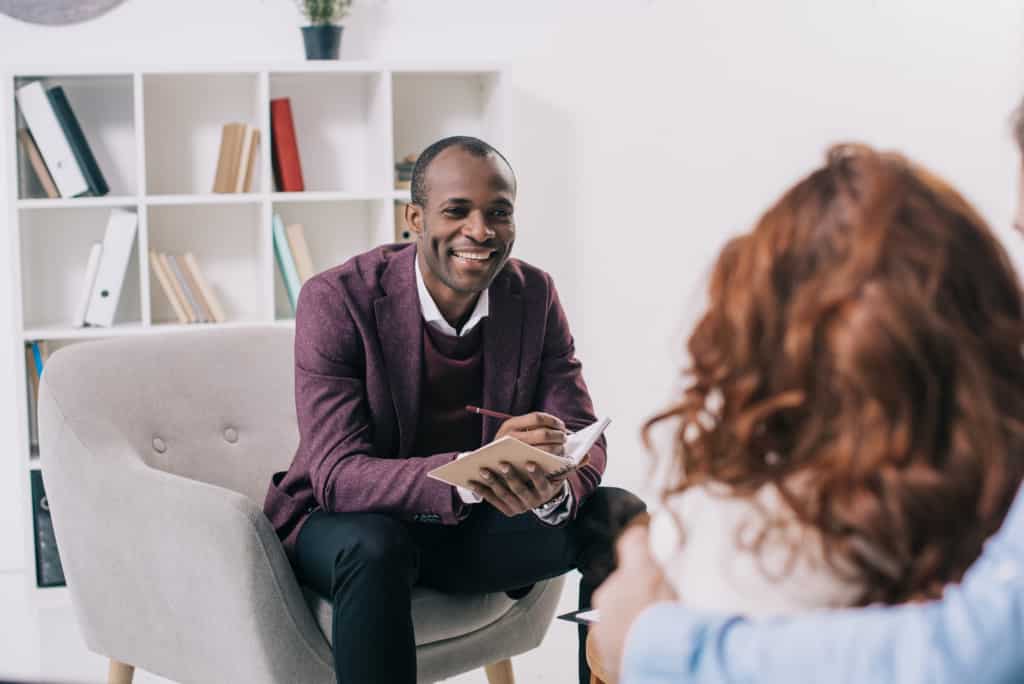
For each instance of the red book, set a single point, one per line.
(285, 151)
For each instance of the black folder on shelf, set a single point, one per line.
(76, 138)
(49, 572)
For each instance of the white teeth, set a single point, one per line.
(472, 256)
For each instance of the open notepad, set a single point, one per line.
(511, 450)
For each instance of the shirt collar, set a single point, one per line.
(432, 315)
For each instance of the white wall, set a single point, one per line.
(644, 133)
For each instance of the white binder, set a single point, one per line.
(49, 136)
(117, 251)
(91, 268)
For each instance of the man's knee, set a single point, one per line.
(613, 508)
(602, 518)
(380, 544)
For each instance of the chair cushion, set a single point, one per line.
(435, 616)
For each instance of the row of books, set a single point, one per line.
(55, 144)
(36, 356)
(105, 271)
(293, 257)
(239, 143)
(49, 572)
(185, 287)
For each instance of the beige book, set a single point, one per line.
(462, 471)
(179, 291)
(300, 251)
(227, 160)
(206, 314)
(38, 165)
(244, 155)
(251, 165)
(209, 296)
(157, 266)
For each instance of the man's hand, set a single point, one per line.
(513, 491)
(541, 430)
(636, 584)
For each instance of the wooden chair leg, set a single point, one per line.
(119, 673)
(500, 672)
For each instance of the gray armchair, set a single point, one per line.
(156, 454)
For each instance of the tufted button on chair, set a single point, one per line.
(157, 452)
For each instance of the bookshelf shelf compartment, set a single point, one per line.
(103, 106)
(225, 240)
(184, 116)
(53, 262)
(429, 106)
(335, 232)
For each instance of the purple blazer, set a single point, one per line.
(358, 367)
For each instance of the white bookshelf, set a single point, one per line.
(155, 132)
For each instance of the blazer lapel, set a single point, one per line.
(400, 331)
(502, 338)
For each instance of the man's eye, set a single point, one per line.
(454, 212)
(501, 213)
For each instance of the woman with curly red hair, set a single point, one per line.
(851, 430)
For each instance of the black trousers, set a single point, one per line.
(368, 563)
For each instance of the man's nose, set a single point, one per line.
(477, 228)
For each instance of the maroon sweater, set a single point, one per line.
(453, 376)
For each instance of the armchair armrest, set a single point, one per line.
(194, 567)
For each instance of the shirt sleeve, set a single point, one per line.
(556, 511)
(973, 634)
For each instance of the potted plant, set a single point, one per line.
(323, 35)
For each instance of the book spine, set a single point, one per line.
(243, 159)
(179, 293)
(49, 137)
(193, 286)
(250, 169)
(286, 262)
(300, 251)
(157, 267)
(208, 294)
(49, 571)
(38, 165)
(186, 290)
(37, 357)
(32, 395)
(286, 148)
(76, 138)
(91, 268)
(220, 179)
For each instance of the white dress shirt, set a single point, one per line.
(553, 512)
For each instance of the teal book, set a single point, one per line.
(286, 262)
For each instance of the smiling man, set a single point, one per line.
(390, 348)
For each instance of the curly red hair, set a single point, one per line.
(865, 341)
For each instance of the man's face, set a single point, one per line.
(466, 230)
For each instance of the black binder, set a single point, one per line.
(49, 572)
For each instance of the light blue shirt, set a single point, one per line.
(974, 635)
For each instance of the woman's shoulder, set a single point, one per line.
(747, 554)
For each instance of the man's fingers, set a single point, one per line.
(518, 485)
(488, 495)
(539, 480)
(502, 490)
(534, 420)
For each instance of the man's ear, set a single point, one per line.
(414, 218)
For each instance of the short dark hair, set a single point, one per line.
(475, 146)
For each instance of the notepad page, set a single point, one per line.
(578, 444)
